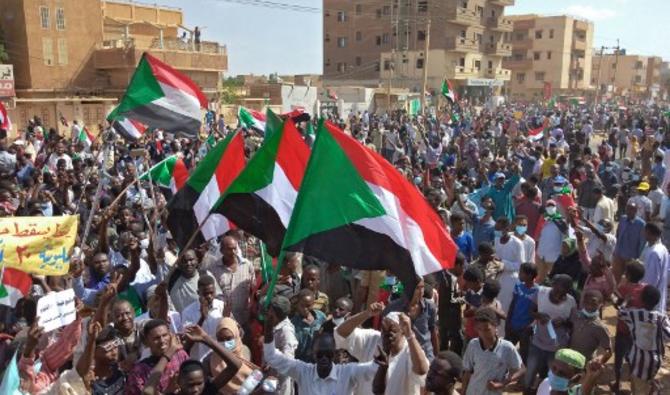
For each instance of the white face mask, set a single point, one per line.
(551, 210)
(144, 244)
(339, 321)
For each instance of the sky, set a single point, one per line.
(263, 40)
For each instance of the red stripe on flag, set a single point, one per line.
(180, 173)
(139, 126)
(17, 279)
(166, 74)
(377, 170)
(293, 154)
(231, 164)
(536, 131)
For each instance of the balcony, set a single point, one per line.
(518, 64)
(124, 54)
(461, 73)
(461, 44)
(463, 16)
(498, 74)
(523, 45)
(524, 24)
(498, 49)
(504, 3)
(499, 24)
(579, 44)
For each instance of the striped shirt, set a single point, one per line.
(649, 330)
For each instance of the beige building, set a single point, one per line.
(621, 74)
(550, 54)
(75, 57)
(380, 42)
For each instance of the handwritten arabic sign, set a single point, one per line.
(7, 80)
(56, 309)
(37, 245)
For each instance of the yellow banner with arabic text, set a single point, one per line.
(38, 245)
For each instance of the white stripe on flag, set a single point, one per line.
(403, 230)
(216, 224)
(179, 102)
(280, 195)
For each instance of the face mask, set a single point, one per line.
(389, 280)
(229, 344)
(270, 385)
(144, 244)
(497, 234)
(521, 229)
(558, 189)
(558, 383)
(589, 314)
(551, 210)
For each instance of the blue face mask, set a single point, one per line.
(389, 280)
(558, 383)
(589, 314)
(229, 344)
(520, 229)
(497, 234)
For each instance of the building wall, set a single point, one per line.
(553, 49)
(624, 73)
(477, 33)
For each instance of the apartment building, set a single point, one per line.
(623, 74)
(550, 55)
(75, 57)
(383, 42)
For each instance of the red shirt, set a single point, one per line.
(633, 294)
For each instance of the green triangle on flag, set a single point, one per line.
(3, 291)
(273, 123)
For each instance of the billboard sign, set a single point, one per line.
(7, 80)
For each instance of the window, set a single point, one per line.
(62, 51)
(419, 63)
(44, 17)
(520, 78)
(539, 76)
(477, 64)
(461, 62)
(422, 6)
(480, 10)
(379, 13)
(638, 65)
(478, 38)
(386, 38)
(518, 56)
(359, 61)
(326, 38)
(47, 51)
(462, 33)
(341, 16)
(421, 35)
(614, 65)
(548, 55)
(379, 40)
(536, 55)
(386, 10)
(327, 62)
(491, 38)
(490, 64)
(60, 19)
(551, 33)
(359, 9)
(538, 34)
(359, 36)
(341, 67)
(638, 79)
(387, 65)
(377, 66)
(464, 4)
(341, 42)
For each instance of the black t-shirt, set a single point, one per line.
(209, 389)
(113, 385)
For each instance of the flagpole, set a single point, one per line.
(192, 238)
(98, 191)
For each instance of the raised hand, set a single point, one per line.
(406, 325)
(93, 330)
(195, 334)
(376, 308)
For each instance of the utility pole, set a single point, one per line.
(600, 70)
(616, 63)
(425, 68)
(388, 82)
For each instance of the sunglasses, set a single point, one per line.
(110, 345)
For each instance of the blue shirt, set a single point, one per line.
(520, 316)
(503, 198)
(305, 334)
(629, 238)
(659, 171)
(466, 244)
(483, 231)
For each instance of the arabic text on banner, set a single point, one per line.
(56, 309)
(37, 245)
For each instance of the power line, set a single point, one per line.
(276, 5)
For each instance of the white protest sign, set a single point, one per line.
(56, 309)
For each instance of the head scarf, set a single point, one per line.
(217, 365)
(571, 243)
(571, 357)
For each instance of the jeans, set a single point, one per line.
(622, 344)
(538, 362)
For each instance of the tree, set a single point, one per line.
(4, 55)
(229, 90)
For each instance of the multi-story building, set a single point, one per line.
(383, 42)
(551, 55)
(621, 74)
(75, 57)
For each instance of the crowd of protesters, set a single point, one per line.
(555, 231)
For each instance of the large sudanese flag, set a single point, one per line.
(261, 199)
(355, 209)
(161, 97)
(130, 129)
(448, 91)
(14, 286)
(170, 173)
(190, 207)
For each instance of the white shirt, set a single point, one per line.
(528, 248)
(605, 209)
(191, 316)
(400, 377)
(549, 243)
(342, 380)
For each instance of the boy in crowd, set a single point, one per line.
(520, 316)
